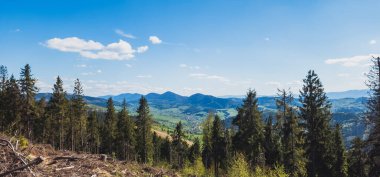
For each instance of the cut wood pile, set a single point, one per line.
(43, 160)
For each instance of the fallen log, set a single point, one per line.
(36, 161)
(70, 158)
(64, 168)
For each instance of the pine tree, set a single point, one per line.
(57, 108)
(13, 107)
(78, 118)
(109, 129)
(157, 143)
(206, 139)
(3, 87)
(249, 138)
(179, 145)
(93, 133)
(28, 92)
(166, 150)
(218, 144)
(195, 151)
(373, 116)
(144, 134)
(125, 137)
(338, 148)
(315, 111)
(272, 145)
(357, 159)
(39, 122)
(291, 135)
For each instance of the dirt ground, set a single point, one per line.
(67, 163)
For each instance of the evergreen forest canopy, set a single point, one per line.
(297, 141)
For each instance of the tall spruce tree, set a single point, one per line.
(338, 150)
(218, 144)
(195, 151)
(28, 92)
(93, 133)
(125, 137)
(315, 111)
(13, 107)
(78, 118)
(179, 145)
(249, 138)
(291, 135)
(57, 107)
(373, 116)
(157, 143)
(357, 159)
(206, 139)
(272, 145)
(3, 103)
(144, 134)
(109, 129)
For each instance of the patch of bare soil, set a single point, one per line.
(43, 160)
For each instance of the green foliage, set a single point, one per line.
(272, 145)
(315, 111)
(23, 142)
(206, 139)
(195, 168)
(239, 167)
(357, 159)
(144, 135)
(338, 149)
(109, 129)
(249, 138)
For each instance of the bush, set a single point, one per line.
(239, 167)
(196, 169)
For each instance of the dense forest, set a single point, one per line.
(297, 141)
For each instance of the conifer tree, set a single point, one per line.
(373, 116)
(218, 144)
(109, 129)
(28, 92)
(315, 111)
(179, 145)
(3, 104)
(125, 137)
(78, 118)
(166, 150)
(338, 148)
(13, 107)
(93, 133)
(57, 107)
(357, 159)
(291, 135)
(195, 151)
(157, 143)
(249, 138)
(206, 139)
(144, 134)
(39, 121)
(272, 145)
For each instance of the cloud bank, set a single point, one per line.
(120, 50)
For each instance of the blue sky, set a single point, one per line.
(213, 47)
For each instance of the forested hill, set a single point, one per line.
(168, 108)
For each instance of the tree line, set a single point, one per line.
(297, 141)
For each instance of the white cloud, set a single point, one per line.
(99, 71)
(121, 50)
(343, 75)
(267, 39)
(372, 42)
(128, 65)
(121, 33)
(144, 76)
(274, 83)
(81, 66)
(142, 49)
(359, 60)
(155, 40)
(189, 67)
(210, 77)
